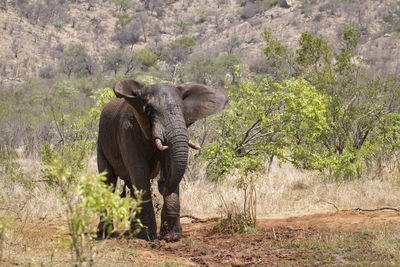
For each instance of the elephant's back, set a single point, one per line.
(111, 110)
(113, 116)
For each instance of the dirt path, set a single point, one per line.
(342, 237)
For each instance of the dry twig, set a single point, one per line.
(199, 220)
(377, 209)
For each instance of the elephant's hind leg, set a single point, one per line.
(104, 227)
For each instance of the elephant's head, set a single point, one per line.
(164, 112)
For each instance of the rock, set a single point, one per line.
(387, 35)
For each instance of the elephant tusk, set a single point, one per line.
(193, 145)
(159, 145)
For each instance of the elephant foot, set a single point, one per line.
(171, 233)
(104, 230)
(145, 235)
(144, 232)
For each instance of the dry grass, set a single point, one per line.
(288, 191)
(285, 192)
(29, 203)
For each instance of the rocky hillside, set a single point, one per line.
(34, 34)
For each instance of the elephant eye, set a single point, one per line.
(148, 110)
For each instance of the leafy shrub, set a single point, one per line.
(128, 35)
(202, 15)
(234, 221)
(232, 43)
(329, 122)
(76, 60)
(84, 86)
(123, 19)
(122, 5)
(44, 12)
(279, 58)
(146, 58)
(114, 60)
(85, 196)
(203, 69)
(47, 72)
(249, 11)
(228, 64)
(11, 171)
(59, 24)
(182, 25)
(178, 50)
(185, 42)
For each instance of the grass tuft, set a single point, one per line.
(234, 223)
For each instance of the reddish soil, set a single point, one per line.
(258, 247)
(288, 241)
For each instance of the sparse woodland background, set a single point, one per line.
(313, 119)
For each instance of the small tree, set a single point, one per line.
(122, 5)
(232, 43)
(123, 19)
(178, 50)
(279, 58)
(75, 59)
(114, 60)
(202, 15)
(182, 25)
(203, 69)
(144, 57)
(16, 47)
(128, 35)
(228, 64)
(86, 197)
(143, 20)
(329, 118)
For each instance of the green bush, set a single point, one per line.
(202, 15)
(85, 196)
(122, 5)
(182, 25)
(144, 57)
(58, 24)
(76, 60)
(11, 171)
(184, 42)
(203, 69)
(328, 118)
(114, 60)
(234, 221)
(178, 50)
(228, 63)
(123, 19)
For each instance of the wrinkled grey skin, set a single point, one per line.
(128, 128)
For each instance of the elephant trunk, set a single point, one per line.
(177, 155)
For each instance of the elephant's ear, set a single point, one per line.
(128, 88)
(200, 101)
(132, 91)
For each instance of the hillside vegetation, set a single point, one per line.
(312, 122)
(36, 33)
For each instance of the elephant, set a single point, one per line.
(143, 132)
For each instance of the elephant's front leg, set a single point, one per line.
(170, 229)
(147, 218)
